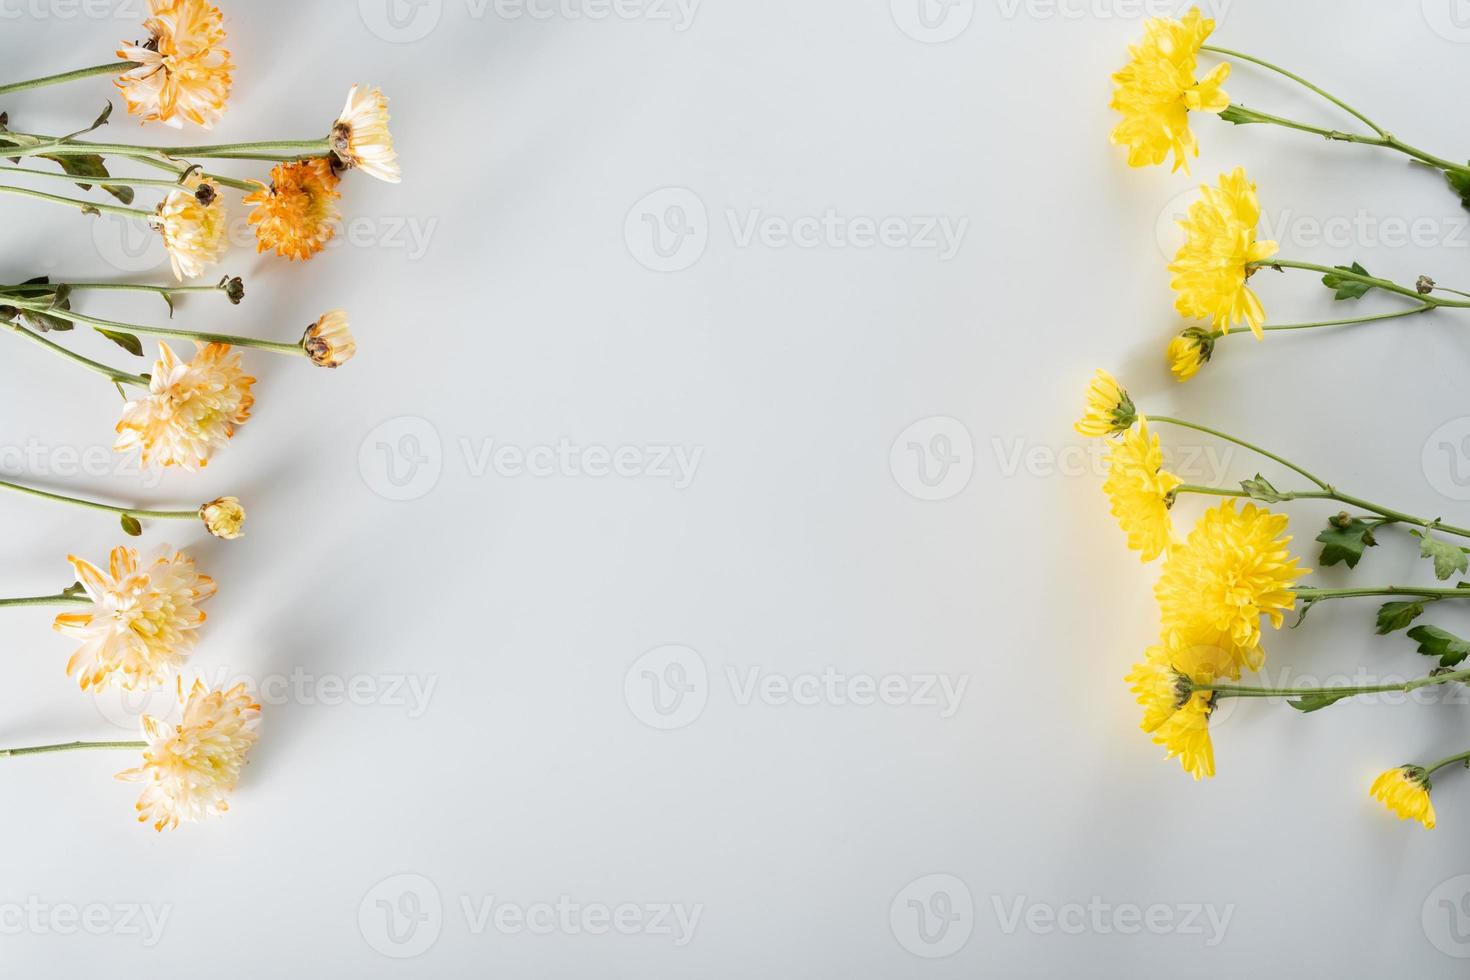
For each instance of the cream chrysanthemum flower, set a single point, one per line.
(193, 225)
(1109, 409)
(143, 621)
(1190, 351)
(1156, 91)
(1174, 713)
(191, 409)
(1140, 490)
(1213, 266)
(328, 341)
(225, 518)
(360, 136)
(190, 768)
(1405, 791)
(297, 214)
(1233, 569)
(183, 72)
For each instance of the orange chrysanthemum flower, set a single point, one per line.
(297, 214)
(182, 72)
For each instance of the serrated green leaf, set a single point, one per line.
(1346, 543)
(126, 341)
(1435, 642)
(1398, 615)
(1316, 702)
(1261, 489)
(131, 526)
(1347, 288)
(1448, 558)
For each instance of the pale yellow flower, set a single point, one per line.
(1156, 91)
(190, 768)
(225, 518)
(183, 72)
(1233, 569)
(143, 621)
(193, 225)
(1176, 715)
(328, 341)
(1109, 409)
(1140, 490)
(1213, 266)
(1190, 351)
(1405, 791)
(360, 136)
(191, 409)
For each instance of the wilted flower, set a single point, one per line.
(193, 224)
(297, 214)
(183, 72)
(360, 136)
(328, 342)
(191, 409)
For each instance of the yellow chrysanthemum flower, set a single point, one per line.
(183, 72)
(1176, 715)
(360, 136)
(143, 621)
(193, 225)
(1405, 791)
(190, 768)
(1233, 569)
(1140, 489)
(1189, 352)
(328, 341)
(191, 409)
(297, 214)
(1109, 409)
(225, 518)
(1213, 266)
(1156, 91)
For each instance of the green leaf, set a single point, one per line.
(93, 166)
(1260, 489)
(1239, 116)
(131, 526)
(1435, 642)
(126, 341)
(1398, 615)
(74, 589)
(1347, 288)
(1344, 543)
(1448, 558)
(1316, 702)
(44, 322)
(1460, 184)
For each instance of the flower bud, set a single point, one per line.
(224, 517)
(328, 341)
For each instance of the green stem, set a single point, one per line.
(1218, 334)
(1389, 515)
(46, 600)
(112, 374)
(23, 289)
(1300, 81)
(1386, 141)
(1411, 591)
(1447, 761)
(177, 515)
(110, 181)
(111, 68)
(1384, 284)
(276, 347)
(76, 203)
(70, 746)
(1238, 691)
(1243, 444)
(279, 150)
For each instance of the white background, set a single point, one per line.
(526, 312)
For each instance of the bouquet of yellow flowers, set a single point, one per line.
(137, 619)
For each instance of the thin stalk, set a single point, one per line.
(61, 599)
(80, 205)
(280, 150)
(112, 374)
(1387, 514)
(22, 289)
(1411, 591)
(1463, 757)
(276, 347)
(109, 181)
(1384, 284)
(1239, 691)
(1386, 141)
(166, 515)
(1300, 81)
(111, 68)
(1218, 334)
(1244, 445)
(71, 746)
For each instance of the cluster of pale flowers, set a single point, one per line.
(136, 617)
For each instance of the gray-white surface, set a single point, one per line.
(509, 294)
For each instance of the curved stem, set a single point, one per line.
(62, 599)
(1388, 142)
(75, 202)
(1300, 81)
(109, 508)
(1219, 334)
(1447, 761)
(1238, 691)
(276, 347)
(111, 68)
(1243, 444)
(71, 746)
(112, 374)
